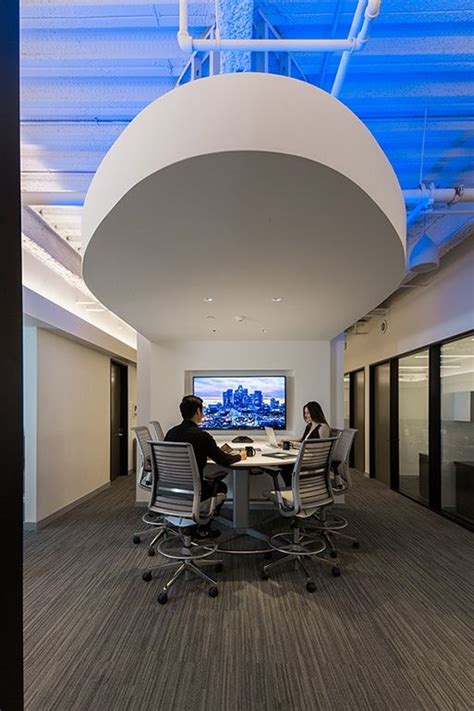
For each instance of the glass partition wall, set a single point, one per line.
(429, 443)
(457, 428)
(413, 398)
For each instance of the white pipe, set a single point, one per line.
(188, 44)
(431, 195)
(272, 45)
(342, 68)
(185, 41)
(372, 11)
(358, 36)
(63, 197)
(449, 196)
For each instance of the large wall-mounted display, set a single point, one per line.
(242, 402)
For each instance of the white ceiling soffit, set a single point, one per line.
(243, 188)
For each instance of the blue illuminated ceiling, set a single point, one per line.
(88, 68)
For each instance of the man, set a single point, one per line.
(204, 447)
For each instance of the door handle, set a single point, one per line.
(119, 434)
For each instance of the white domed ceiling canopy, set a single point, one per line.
(244, 188)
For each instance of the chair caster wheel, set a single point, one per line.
(219, 568)
(151, 552)
(265, 575)
(333, 554)
(310, 586)
(213, 592)
(268, 555)
(147, 576)
(162, 598)
(136, 540)
(336, 571)
(356, 544)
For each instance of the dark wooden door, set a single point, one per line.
(118, 420)
(381, 433)
(358, 413)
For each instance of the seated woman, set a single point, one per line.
(317, 427)
(316, 424)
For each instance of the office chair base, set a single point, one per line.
(184, 568)
(300, 565)
(298, 548)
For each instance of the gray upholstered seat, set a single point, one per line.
(326, 521)
(153, 522)
(310, 491)
(158, 430)
(176, 495)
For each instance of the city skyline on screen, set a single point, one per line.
(242, 402)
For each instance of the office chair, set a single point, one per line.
(310, 491)
(159, 434)
(154, 523)
(329, 524)
(176, 495)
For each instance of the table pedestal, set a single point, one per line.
(240, 522)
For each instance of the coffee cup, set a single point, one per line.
(250, 451)
(286, 444)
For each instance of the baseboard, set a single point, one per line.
(36, 525)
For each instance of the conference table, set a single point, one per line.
(240, 521)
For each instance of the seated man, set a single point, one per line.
(204, 447)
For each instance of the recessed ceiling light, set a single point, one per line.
(277, 299)
(264, 330)
(208, 299)
(214, 330)
(211, 317)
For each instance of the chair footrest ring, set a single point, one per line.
(307, 545)
(177, 552)
(332, 522)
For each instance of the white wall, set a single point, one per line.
(308, 361)
(162, 372)
(73, 415)
(30, 411)
(66, 421)
(418, 317)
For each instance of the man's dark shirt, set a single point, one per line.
(204, 445)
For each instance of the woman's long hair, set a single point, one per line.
(316, 412)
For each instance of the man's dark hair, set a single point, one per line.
(190, 404)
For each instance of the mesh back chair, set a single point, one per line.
(176, 495)
(310, 491)
(159, 434)
(327, 522)
(154, 523)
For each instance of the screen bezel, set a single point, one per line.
(239, 375)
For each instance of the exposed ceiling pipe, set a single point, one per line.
(188, 44)
(355, 31)
(63, 197)
(449, 196)
(424, 196)
(421, 205)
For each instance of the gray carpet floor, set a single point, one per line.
(393, 632)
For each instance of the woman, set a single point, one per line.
(316, 428)
(316, 424)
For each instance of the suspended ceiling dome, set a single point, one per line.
(244, 188)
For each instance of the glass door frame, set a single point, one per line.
(434, 423)
(352, 378)
(393, 405)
